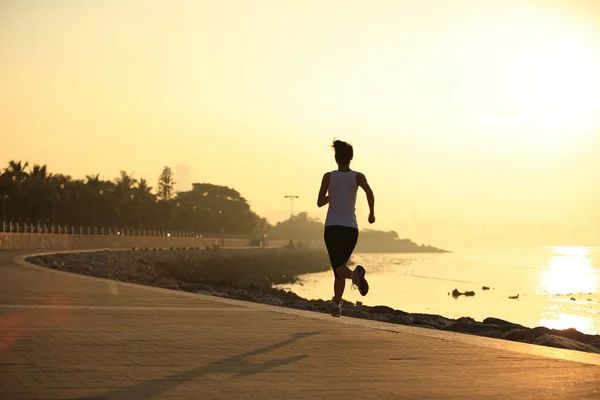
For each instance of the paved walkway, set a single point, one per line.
(71, 337)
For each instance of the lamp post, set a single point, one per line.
(4, 198)
(220, 212)
(54, 198)
(94, 206)
(291, 198)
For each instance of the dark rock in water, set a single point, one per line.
(514, 297)
(485, 288)
(573, 299)
(381, 310)
(564, 343)
(456, 293)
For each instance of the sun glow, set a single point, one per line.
(566, 321)
(570, 272)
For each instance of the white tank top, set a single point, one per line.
(342, 199)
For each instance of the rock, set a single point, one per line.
(595, 342)
(170, 285)
(423, 326)
(359, 303)
(456, 293)
(573, 299)
(381, 310)
(400, 320)
(380, 317)
(518, 335)
(539, 330)
(357, 314)
(191, 287)
(514, 297)
(205, 292)
(434, 321)
(468, 327)
(492, 334)
(502, 324)
(485, 288)
(564, 343)
(274, 301)
(573, 334)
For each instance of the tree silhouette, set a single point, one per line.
(36, 196)
(166, 184)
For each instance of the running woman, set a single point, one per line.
(338, 189)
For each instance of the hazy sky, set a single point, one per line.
(469, 110)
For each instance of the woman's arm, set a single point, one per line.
(362, 182)
(323, 199)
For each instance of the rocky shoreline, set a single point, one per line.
(250, 274)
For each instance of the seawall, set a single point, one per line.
(26, 241)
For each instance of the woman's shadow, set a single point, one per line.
(240, 365)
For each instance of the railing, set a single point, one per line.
(10, 227)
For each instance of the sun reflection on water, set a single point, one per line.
(570, 275)
(570, 272)
(566, 321)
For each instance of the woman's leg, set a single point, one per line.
(339, 285)
(347, 242)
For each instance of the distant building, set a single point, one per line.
(182, 178)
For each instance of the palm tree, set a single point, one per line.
(38, 192)
(123, 190)
(59, 183)
(15, 176)
(143, 187)
(39, 172)
(125, 182)
(94, 185)
(17, 170)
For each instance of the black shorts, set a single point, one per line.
(340, 242)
